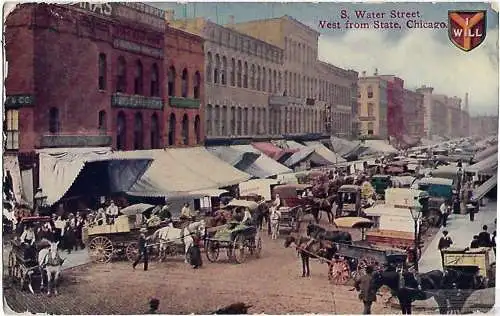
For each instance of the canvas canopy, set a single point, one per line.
(380, 146)
(63, 169)
(484, 188)
(324, 152)
(487, 165)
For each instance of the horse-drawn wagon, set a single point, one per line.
(119, 239)
(26, 263)
(292, 207)
(349, 200)
(476, 262)
(236, 238)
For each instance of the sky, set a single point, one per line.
(418, 56)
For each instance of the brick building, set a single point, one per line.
(395, 121)
(413, 113)
(85, 75)
(184, 63)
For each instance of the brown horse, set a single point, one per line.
(310, 248)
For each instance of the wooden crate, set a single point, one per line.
(461, 257)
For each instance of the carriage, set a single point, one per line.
(349, 200)
(22, 262)
(478, 262)
(293, 207)
(106, 242)
(237, 238)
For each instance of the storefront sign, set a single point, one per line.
(138, 48)
(136, 101)
(99, 8)
(17, 101)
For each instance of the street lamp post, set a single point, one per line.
(39, 200)
(416, 213)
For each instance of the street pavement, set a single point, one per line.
(461, 230)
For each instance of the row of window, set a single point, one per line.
(246, 45)
(255, 121)
(138, 141)
(185, 87)
(300, 52)
(11, 130)
(121, 79)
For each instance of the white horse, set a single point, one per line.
(50, 261)
(170, 235)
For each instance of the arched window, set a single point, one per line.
(171, 130)
(238, 121)
(245, 76)
(54, 123)
(121, 77)
(217, 121)
(155, 132)
(184, 83)
(138, 132)
(370, 128)
(224, 70)
(216, 68)
(232, 123)
(264, 79)
(253, 117)
(223, 120)
(275, 82)
(238, 74)
(209, 67)
(208, 119)
(245, 121)
(196, 85)
(102, 71)
(369, 91)
(171, 81)
(138, 78)
(286, 84)
(103, 125)
(185, 130)
(233, 72)
(197, 129)
(370, 109)
(121, 132)
(270, 83)
(258, 79)
(154, 86)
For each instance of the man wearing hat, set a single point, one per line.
(143, 250)
(444, 243)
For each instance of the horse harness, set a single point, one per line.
(52, 261)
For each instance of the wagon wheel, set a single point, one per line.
(339, 272)
(238, 250)
(212, 251)
(11, 264)
(132, 251)
(364, 262)
(101, 249)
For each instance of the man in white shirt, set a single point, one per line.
(111, 213)
(247, 216)
(276, 202)
(275, 223)
(28, 236)
(186, 212)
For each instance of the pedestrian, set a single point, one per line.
(471, 209)
(484, 238)
(367, 292)
(444, 213)
(143, 250)
(444, 243)
(194, 254)
(475, 242)
(275, 223)
(154, 303)
(186, 213)
(111, 213)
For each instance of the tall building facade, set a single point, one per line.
(395, 99)
(84, 75)
(454, 117)
(484, 125)
(311, 89)
(413, 113)
(373, 106)
(184, 66)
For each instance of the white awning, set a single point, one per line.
(380, 146)
(178, 170)
(209, 192)
(326, 153)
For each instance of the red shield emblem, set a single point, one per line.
(467, 29)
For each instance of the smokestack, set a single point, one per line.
(169, 15)
(376, 72)
(231, 20)
(466, 103)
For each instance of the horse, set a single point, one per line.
(169, 234)
(310, 248)
(418, 286)
(51, 262)
(318, 232)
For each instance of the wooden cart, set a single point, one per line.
(478, 260)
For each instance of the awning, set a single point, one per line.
(343, 147)
(275, 152)
(481, 155)
(484, 166)
(11, 166)
(179, 171)
(60, 170)
(380, 146)
(326, 153)
(261, 167)
(484, 188)
(209, 192)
